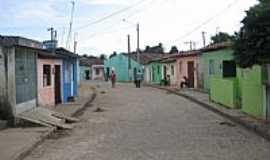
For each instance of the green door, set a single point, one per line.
(25, 75)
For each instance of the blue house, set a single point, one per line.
(69, 74)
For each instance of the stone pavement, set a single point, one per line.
(151, 124)
(16, 143)
(261, 127)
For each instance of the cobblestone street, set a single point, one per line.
(146, 124)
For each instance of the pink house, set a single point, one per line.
(49, 69)
(187, 66)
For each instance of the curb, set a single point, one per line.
(251, 127)
(51, 130)
(85, 105)
(40, 140)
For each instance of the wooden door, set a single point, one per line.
(57, 84)
(191, 74)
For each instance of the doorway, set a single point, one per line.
(87, 75)
(191, 74)
(165, 72)
(57, 83)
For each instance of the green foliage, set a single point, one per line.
(173, 50)
(221, 37)
(103, 57)
(252, 44)
(113, 54)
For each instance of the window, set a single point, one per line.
(172, 69)
(46, 75)
(211, 67)
(97, 71)
(229, 69)
(180, 67)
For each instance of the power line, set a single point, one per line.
(111, 15)
(206, 22)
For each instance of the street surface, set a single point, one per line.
(150, 124)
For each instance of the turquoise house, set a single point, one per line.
(155, 68)
(120, 64)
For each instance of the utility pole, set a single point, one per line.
(75, 42)
(190, 43)
(70, 26)
(129, 61)
(138, 43)
(203, 37)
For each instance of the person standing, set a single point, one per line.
(113, 78)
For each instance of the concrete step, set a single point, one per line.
(3, 124)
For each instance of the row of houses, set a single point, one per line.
(211, 69)
(32, 75)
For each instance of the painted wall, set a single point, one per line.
(69, 82)
(46, 94)
(253, 91)
(156, 72)
(98, 75)
(120, 65)
(83, 69)
(224, 91)
(182, 69)
(171, 71)
(217, 57)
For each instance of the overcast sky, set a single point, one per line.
(170, 22)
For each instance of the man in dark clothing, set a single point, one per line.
(185, 82)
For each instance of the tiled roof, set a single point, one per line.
(89, 61)
(145, 58)
(217, 46)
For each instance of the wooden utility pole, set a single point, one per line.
(203, 37)
(129, 61)
(138, 43)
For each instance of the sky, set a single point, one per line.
(170, 22)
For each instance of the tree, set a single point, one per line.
(147, 49)
(113, 54)
(221, 37)
(173, 50)
(252, 43)
(103, 57)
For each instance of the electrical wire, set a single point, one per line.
(111, 15)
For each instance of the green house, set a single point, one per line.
(155, 68)
(236, 87)
(120, 64)
(212, 61)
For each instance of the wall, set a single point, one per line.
(183, 70)
(120, 65)
(223, 91)
(217, 57)
(156, 74)
(99, 76)
(252, 91)
(82, 72)
(46, 95)
(173, 77)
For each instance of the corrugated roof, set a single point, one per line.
(89, 61)
(217, 46)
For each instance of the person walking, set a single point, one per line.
(113, 78)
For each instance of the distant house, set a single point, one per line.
(120, 64)
(169, 70)
(69, 74)
(91, 68)
(18, 76)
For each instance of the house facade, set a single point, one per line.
(18, 76)
(91, 68)
(187, 65)
(49, 75)
(69, 74)
(120, 64)
(168, 71)
(212, 61)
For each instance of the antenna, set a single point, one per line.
(70, 25)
